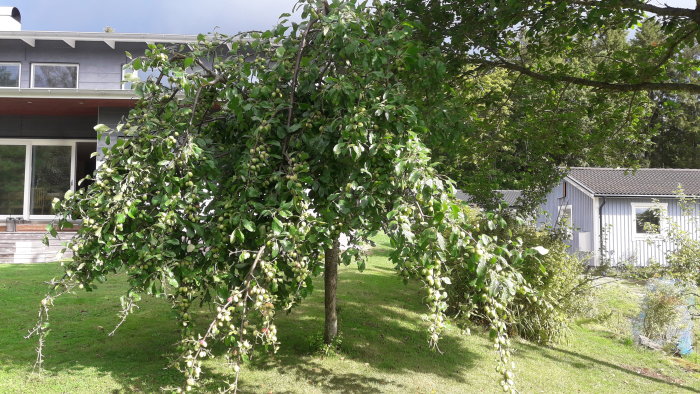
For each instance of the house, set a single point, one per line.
(54, 88)
(619, 216)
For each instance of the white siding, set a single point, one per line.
(622, 245)
(582, 211)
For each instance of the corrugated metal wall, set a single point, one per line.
(623, 245)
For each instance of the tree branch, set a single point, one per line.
(641, 6)
(611, 86)
(295, 77)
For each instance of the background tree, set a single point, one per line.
(675, 117)
(540, 86)
(503, 130)
(530, 37)
(239, 169)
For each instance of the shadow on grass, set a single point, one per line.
(326, 379)
(379, 319)
(582, 361)
(380, 327)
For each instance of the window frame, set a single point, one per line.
(19, 75)
(127, 70)
(662, 207)
(560, 210)
(77, 74)
(28, 169)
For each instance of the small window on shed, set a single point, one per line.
(565, 220)
(648, 218)
(9, 75)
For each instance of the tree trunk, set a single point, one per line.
(330, 276)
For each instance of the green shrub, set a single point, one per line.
(661, 311)
(557, 278)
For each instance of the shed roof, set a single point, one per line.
(510, 197)
(642, 182)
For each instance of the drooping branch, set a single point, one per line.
(611, 86)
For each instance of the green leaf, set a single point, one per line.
(237, 235)
(101, 128)
(248, 225)
(541, 250)
(276, 226)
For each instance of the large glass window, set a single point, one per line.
(151, 74)
(51, 176)
(52, 170)
(58, 76)
(9, 75)
(12, 161)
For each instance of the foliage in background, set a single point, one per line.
(503, 130)
(684, 258)
(532, 38)
(540, 86)
(675, 115)
(246, 159)
(560, 279)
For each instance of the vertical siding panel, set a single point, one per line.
(620, 241)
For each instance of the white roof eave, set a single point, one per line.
(30, 37)
(37, 93)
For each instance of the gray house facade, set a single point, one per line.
(616, 216)
(54, 88)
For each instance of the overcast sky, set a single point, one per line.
(166, 16)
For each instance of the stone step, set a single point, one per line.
(26, 235)
(29, 258)
(27, 247)
(6, 242)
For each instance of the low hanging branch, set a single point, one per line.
(209, 201)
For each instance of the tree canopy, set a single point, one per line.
(248, 157)
(536, 38)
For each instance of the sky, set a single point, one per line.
(150, 16)
(166, 16)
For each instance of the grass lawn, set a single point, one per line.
(384, 347)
